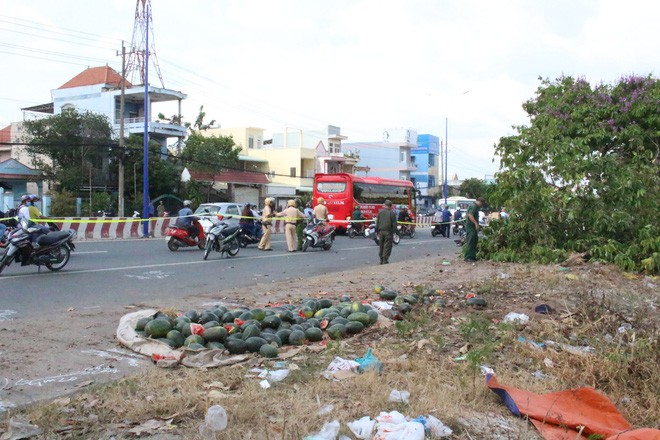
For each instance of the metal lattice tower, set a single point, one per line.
(135, 63)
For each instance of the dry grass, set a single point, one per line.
(419, 356)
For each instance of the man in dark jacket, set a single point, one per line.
(385, 228)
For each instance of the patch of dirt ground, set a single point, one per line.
(603, 333)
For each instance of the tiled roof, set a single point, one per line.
(95, 75)
(232, 177)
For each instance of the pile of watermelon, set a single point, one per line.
(258, 330)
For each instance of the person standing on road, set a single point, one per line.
(266, 224)
(291, 217)
(472, 230)
(385, 228)
(300, 225)
(446, 221)
(161, 209)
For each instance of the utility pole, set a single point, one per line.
(442, 167)
(122, 156)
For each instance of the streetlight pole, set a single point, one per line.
(446, 157)
(122, 156)
(145, 178)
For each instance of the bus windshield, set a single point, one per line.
(331, 187)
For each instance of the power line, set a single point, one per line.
(44, 27)
(55, 39)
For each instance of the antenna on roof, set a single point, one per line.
(135, 63)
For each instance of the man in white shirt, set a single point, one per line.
(24, 210)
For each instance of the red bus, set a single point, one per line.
(342, 192)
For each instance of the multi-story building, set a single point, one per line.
(98, 90)
(292, 156)
(390, 157)
(426, 156)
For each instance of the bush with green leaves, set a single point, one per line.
(582, 176)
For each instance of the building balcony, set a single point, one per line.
(136, 126)
(407, 166)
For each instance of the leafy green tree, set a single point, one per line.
(582, 176)
(473, 188)
(210, 155)
(164, 171)
(71, 148)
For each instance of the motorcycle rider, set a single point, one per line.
(405, 218)
(358, 217)
(291, 216)
(185, 220)
(24, 209)
(266, 224)
(247, 220)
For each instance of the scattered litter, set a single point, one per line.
(264, 384)
(393, 417)
(516, 318)
(539, 375)
(382, 305)
(329, 431)
(582, 350)
(564, 269)
(460, 358)
(401, 431)
(362, 428)
(214, 422)
(341, 368)
(274, 375)
(544, 309)
(470, 295)
(571, 277)
(437, 428)
(624, 328)
(151, 427)
(503, 276)
(548, 362)
(399, 396)
(369, 363)
(326, 409)
(532, 344)
(486, 370)
(446, 262)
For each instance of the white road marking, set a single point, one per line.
(218, 260)
(90, 252)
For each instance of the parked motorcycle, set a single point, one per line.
(245, 238)
(437, 229)
(179, 237)
(48, 249)
(222, 238)
(406, 230)
(317, 235)
(370, 232)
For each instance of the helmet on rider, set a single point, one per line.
(25, 198)
(187, 203)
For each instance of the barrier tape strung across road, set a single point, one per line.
(123, 228)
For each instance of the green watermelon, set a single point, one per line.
(236, 346)
(158, 328)
(176, 337)
(314, 334)
(268, 351)
(215, 334)
(254, 343)
(297, 337)
(194, 339)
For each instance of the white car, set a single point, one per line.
(227, 212)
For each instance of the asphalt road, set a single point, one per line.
(116, 273)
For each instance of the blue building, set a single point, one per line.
(426, 156)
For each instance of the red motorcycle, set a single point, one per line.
(178, 237)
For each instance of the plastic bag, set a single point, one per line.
(401, 431)
(399, 396)
(362, 428)
(515, 318)
(437, 428)
(330, 431)
(393, 417)
(369, 363)
(214, 422)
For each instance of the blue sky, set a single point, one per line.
(364, 65)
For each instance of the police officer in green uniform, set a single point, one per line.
(472, 230)
(300, 225)
(385, 228)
